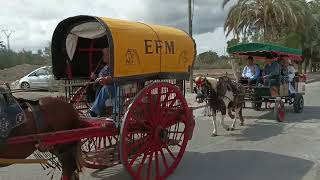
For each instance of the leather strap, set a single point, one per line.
(38, 117)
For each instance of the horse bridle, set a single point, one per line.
(208, 92)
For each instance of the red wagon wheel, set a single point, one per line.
(154, 132)
(279, 111)
(100, 152)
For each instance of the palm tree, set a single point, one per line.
(270, 19)
(311, 37)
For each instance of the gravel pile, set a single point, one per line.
(14, 73)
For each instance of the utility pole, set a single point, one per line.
(8, 34)
(190, 33)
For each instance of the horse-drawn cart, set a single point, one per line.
(150, 122)
(277, 90)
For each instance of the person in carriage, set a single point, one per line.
(105, 94)
(251, 73)
(290, 73)
(271, 71)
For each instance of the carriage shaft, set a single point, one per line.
(63, 137)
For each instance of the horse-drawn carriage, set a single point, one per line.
(150, 122)
(277, 90)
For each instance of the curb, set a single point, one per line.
(198, 107)
(312, 80)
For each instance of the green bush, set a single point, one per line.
(220, 64)
(10, 58)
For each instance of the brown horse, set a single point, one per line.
(57, 115)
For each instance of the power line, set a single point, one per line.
(7, 33)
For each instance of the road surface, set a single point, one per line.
(261, 150)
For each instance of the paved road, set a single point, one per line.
(263, 149)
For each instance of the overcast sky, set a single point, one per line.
(35, 20)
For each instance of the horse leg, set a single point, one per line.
(237, 110)
(241, 117)
(68, 160)
(230, 109)
(223, 116)
(214, 124)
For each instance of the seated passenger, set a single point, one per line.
(291, 74)
(271, 71)
(107, 92)
(250, 72)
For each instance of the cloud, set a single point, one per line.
(208, 14)
(34, 21)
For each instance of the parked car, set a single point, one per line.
(39, 78)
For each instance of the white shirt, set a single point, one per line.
(291, 73)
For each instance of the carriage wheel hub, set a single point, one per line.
(160, 134)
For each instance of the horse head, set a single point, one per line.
(204, 86)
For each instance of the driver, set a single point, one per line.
(107, 92)
(250, 72)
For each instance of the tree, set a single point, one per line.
(233, 42)
(293, 23)
(310, 39)
(208, 57)
(39, 52)
(270, 19)
(2, 46)
(47, 51)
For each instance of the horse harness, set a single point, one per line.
(223, 85)
(12, 114)
(34, 108)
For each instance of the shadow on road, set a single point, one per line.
(241, 165)
(309, 113)
(259, 131)
(264, 129)
(228, 165)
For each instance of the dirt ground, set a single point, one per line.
(12, 74)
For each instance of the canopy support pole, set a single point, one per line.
(234, 70)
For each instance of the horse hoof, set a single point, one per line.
(230, 129)
(214, 135)
(241, 124)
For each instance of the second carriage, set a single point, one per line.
(260, 96)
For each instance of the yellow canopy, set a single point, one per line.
(137, 50)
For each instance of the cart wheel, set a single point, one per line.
(279, 111)
(99, 152)
(256, 106)
(298, 103)
(155, 132)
